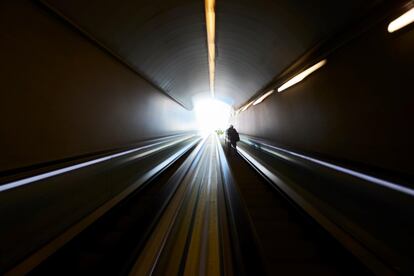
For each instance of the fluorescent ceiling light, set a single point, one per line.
(247, 106)
(402, 21)
(301, 76)
(264, 96)
(211, 33)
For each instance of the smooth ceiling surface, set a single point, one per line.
(165, 40)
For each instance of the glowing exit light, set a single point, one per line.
(301, 76)
(211, 115)
(211, 34)
(402, 21)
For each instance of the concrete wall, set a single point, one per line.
(63, 96)
(359, 108)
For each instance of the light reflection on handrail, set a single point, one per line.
(360, 175)
(35, 178)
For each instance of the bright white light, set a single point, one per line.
(246, 106)
(211, 37)
(301, 76)
(402, 21)
(259, 100)
(212, 115)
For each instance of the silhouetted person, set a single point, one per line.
(233, 137)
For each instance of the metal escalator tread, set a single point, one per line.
(291, 244)
(188, 239)
(106, 247)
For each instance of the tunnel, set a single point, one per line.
(216, 137)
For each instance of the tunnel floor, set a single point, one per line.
(184, 223)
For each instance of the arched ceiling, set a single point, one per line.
(165, 40)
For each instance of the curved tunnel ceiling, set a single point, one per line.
(165, 40)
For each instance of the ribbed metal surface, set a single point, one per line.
(166, 40)
(257, 40)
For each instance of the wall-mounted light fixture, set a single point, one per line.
(211, 33)
(246, 106)
(301, 76)
(264, 96)
(402, 21)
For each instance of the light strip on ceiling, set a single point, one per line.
(264, 96)
(211, 33)
(301, 76)
(402, 21)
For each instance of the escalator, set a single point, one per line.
(209, 213)
(291, 242)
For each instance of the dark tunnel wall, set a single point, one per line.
(359, 107)
(63, 96)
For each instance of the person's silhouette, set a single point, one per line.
(232, 137)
